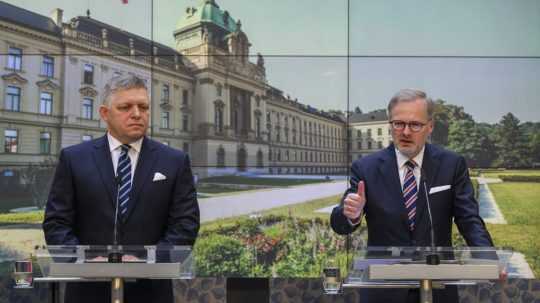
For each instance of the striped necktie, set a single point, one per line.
(410, 193)
(123, 171)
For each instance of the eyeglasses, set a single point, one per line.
(413, 126)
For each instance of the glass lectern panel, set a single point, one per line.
(400, 264)
(104, 262)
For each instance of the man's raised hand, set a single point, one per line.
(353, 205)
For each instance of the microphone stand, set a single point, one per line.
(115, 255)
(432, 258)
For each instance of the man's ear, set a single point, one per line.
(430, 126)
(104, 112)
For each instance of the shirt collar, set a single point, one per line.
(114, 143)
(402, 159)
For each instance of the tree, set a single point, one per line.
(472, 141)
(38, 178)
(534, 148)
(511, 143)
(443, 115)
(357, 110)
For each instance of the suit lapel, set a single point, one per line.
(103, 162)
(145, 163)
(388, 171)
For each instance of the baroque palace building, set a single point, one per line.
(207, 97)
(369, 132)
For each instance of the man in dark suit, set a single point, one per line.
(147, 184)
(386, 187)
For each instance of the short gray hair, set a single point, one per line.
(121, 82)
(410, 95)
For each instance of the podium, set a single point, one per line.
(407, 267)
(113, 263)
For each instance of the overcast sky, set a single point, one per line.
(305, 46)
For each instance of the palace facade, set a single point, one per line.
(207, 97)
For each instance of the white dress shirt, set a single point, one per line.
(133, 153)
(402, 167)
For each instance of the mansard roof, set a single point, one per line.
(119, 36)
(276, 94)
(28, 19)
(374, 116)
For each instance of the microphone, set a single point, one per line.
(115, 256)
(432, 258)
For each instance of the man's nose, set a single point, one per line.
(136, 112)
(407, 130)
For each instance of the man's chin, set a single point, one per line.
(135, 136)
(408, 151)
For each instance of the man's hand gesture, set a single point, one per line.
(353, 205)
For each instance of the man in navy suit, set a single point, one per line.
(147, 184)
(388, 188)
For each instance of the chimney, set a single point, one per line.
(57, 15)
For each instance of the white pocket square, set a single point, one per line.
(159, 177)
(437, 189)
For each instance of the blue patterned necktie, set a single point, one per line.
(410, 193)
(123, 173)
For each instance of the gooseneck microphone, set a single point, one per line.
(115, 256)
(432, 258)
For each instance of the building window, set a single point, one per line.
(88, 74)
(218, 117)
(164, 119)
(185, 123)
(359, 133)
(260, 156)
(10, 140)
(219, 89)
(87, 138)
(47, 67)
(379, 131)
(258, 126)
(380, 144)
(13, 98)
(185, 147)
(165, 93)
(359, 145)
(87, 108)
(14, 58)
(369, 133)
(45, 103)
(221, 157)
(185, 97)
(369, 145)
(45, 143)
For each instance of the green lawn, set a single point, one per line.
(209, 189)
(520, 204)
(305, 210)
(27, 217)
(496, 173)
(258, 181)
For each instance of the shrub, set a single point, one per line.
(520, 178)
(218, 255)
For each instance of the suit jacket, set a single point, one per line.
(81, 209)
(386, 215)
